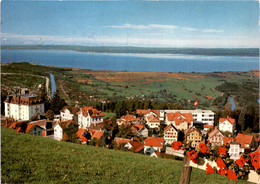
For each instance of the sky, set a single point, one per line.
(200, 24)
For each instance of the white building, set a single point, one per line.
(235, 150)
(68, 113)
(88, 116)
(23, 107)
(59, 128)
(227, 124)
(202, 116)
(170, 134)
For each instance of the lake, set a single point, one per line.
(132, 62)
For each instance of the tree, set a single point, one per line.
(241, 121)
(57, 103)
(49, 114)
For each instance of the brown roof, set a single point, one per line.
(136, 145)
(208, 126)
(244, 139)
(154, 141)
(191, 129)
(230, 120)
(23, 99)
(42, 123)
(121, 140)
(180, 117)
(65, 124)
(214, 132)
(139, 126)
(142, 112)
(73, 110)
(129, 117)
(169, 126)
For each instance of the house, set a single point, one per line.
(88, 116)
(227, 124)
(69, 113)
(41, 123)
(61, 129)
(135, 145)
(23, 127)
(142, 131)
(153, 144)
(215, 137)
(93, 134)
(127, 119)
(147, 112)
(120, 141)
(193, 135)
(153, 121)
(181, 121)
(23, 107)
(199, 116)
(227, 140)
(243, 144)
(170, 134)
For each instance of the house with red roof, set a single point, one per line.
(215, 137)
(147, 112)
(141, 130)
(62, 129)
(227, 140)
(153, 121)
(243, 144)
(153, 144)
(181, 121)
(135, 145)
(119, 141)
(47, 126)
(23, 127)
(69, 113)
(127, 119)
(227, 124)
(88, 116)
(170, 134)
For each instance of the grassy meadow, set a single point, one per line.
(31, 159)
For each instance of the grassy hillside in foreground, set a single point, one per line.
(31, 159)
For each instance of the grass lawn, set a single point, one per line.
(32, 159)
(109, 114)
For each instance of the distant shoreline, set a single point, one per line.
(248, 52)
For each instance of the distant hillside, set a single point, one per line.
(32, 159)
(146, 50)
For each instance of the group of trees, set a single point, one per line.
(124, 106)
(247, 120)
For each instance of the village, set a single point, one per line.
(148, 131)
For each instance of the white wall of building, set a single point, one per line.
(226, 126)
(58, 132)
(66, 115)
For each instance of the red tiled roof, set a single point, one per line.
(209, 97)
(80, 134)
(91, 111)
(96, 134)
(208, 126)
(129, 117)
(139, 126)
(227, 140)
(29, 128)
(244, 139)
(154, 141)
(230, 120)
(180, 117)
(152, 118)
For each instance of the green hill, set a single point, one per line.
(31, 159)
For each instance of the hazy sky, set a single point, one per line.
(125, 23)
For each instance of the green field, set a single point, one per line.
(88, 87)
(31, 159)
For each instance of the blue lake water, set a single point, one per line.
(132, 62)
(233, 105)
